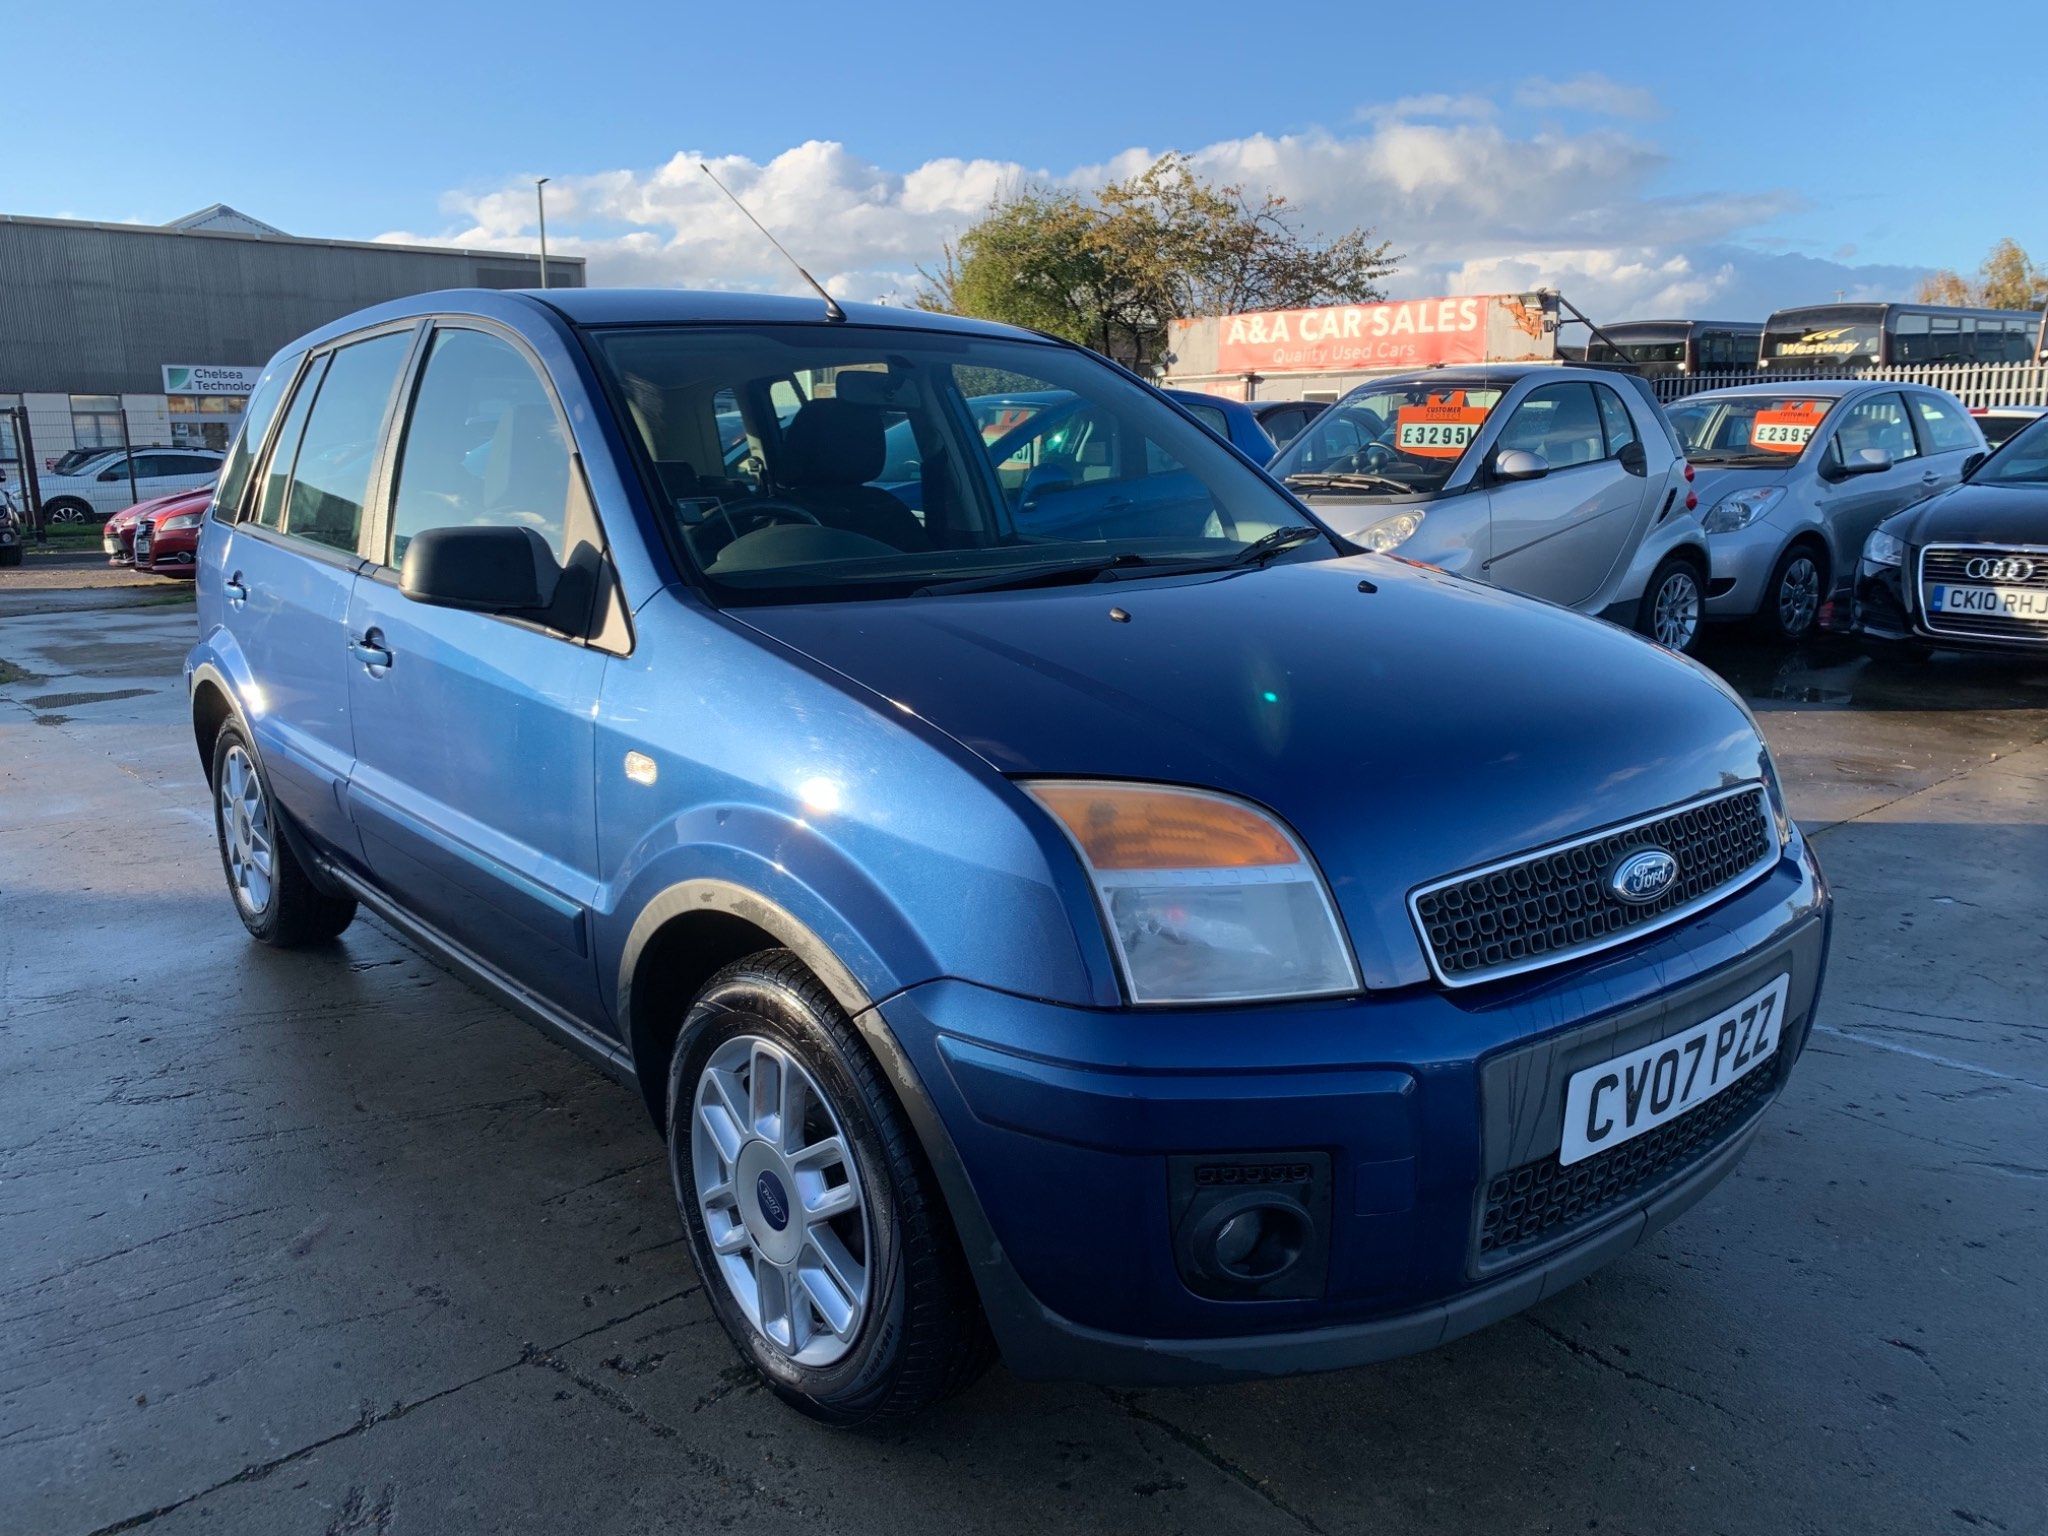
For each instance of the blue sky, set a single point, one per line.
(1639, 156)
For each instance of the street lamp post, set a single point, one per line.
(540, 197)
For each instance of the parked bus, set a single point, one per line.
(1663, 348)
(1820, 335)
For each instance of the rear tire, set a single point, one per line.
(883, 1260)
(1673, 610)
(1790, 607)
(274, 896)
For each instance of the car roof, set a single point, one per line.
(1819, 389)
(682, 306)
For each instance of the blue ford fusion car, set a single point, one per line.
(1089, 914)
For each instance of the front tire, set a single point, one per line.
(1673, 607)
(67, 510)
(274, 897)
(824, 1245)
(1792, 598)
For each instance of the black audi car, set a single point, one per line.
(1966, 569)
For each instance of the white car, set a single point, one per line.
(104, 487)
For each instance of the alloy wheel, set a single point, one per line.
(1799, 595)
(783, 1209)
(1675, 616)
(245, 830)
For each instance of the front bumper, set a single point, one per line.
(1056, 1132)
(1740, 566)
(1887, 612)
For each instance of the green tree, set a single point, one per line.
(1112, 268)
(2007, 279)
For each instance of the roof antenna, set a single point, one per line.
(832, 309)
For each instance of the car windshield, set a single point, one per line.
(1390, 439)
(1747, 429)
(2023, 460)
(812, 463)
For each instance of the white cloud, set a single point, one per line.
(1470, 201)
(1591, 92)
(1433, 104)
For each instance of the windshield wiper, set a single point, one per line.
(1017, 577)
(1333, 481)
(1258, 552)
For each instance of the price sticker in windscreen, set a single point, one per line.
(1442, 429)
(1787, 427)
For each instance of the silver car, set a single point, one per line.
(1793, 476)
(1564, 483)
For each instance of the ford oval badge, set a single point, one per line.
(1643, 876)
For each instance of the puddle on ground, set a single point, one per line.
(67, 700)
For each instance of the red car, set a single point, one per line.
(117, 535)
(166, 536)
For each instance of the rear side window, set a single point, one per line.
(1944, 425)
(484, 447)
(338, 451)
(1614, 419)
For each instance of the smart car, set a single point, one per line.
(1104, 919)
(1562, 483)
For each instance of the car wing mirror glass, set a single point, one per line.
(1519, 464)
(484, 570)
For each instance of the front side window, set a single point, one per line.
(338, 450)
(1944, 425)
(1406, 437)
(484, 446)
(881, 462)
(1754, 429)
(1559, 423)
(1875, 421)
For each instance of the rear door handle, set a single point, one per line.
(374, 657)
(236, 592)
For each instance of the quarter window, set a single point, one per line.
(1614, 420)
(484, 447)
(277, 480)
(338, 451)
(234, 478)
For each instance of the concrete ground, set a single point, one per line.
(330, 1243)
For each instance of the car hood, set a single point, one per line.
(1406, 723)
(1976, 514)
(202, 495)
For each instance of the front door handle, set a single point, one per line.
(372, 655)
(236, 592)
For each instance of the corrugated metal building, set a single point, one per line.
(169, 323)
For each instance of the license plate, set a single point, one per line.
(2002, 602)
(1638, 1091)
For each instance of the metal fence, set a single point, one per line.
(1975, 384)
(79, 466)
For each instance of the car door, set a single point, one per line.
(1946, 435)
(472, 785)
(1854, 504)
(286, 569)
(1557, 536)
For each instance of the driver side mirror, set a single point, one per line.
(1974, 462)
(1519, 464)
(484, 570)
(1868, 461)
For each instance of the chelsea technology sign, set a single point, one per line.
(209, 379)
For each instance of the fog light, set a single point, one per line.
(1251, 1228)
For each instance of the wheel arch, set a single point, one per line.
(686, 934)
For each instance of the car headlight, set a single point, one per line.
(1738, 509)
(182, 520)
(1882, 548)
(1389, 533)
(1208, 899)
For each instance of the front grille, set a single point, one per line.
(1555, 903)
(1949, 565)
(1539, 1200)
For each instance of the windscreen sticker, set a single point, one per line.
(1442, 429)
(1787, 426)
